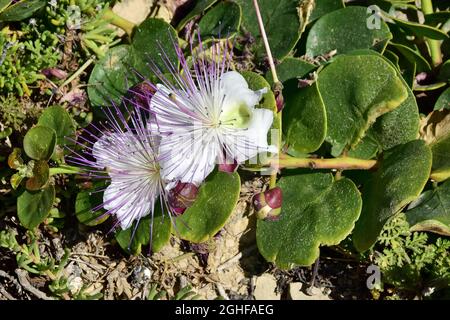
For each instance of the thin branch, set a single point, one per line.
(276, 81)
(22, 275)
(344, 163)
(12, 279)
(5, 293)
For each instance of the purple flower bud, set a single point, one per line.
(279, 99)
(268, 204)
(182, 197)
(140, 94)
(54, 72)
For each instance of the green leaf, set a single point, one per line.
(39, 143)
(115, 73)
(316, 211)
(162, 227)
(21, 10)
(199, 7)
(412, 56)
(345, 30)
(291, 68)
(87, 200)
(58, 119)
(4, 4)
(111, 76)
(222, 21)
(216, 200)
(367, 148)
(304, 117)
(40, 176)
(441, 158)
(429, 87)
(154, 39)
(356, 90)
(437, 17)
(398, 126)
(444, 71)
(421, 30)
(392, 57)
(34, 207)
(443, 101)
(401, 177)
(431, 212)
(281, 22)
(323, 7)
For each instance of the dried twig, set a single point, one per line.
(221, 291)
(12, 279)
(6, 293)
(22, 275)
(89, 255)
(229, 262)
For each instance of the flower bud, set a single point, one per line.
(140, 94)
(268, 204)
(54, 72)
(279, 100)
(182, 196)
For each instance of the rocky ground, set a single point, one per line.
(229, 266)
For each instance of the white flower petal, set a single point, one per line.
(125, 203)
(236, 91)
(103, 149)
(252, 141)
(187, 159)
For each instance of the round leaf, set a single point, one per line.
(281, 22)
(85, 201)
(345, 30)
(221, 21)
(317, 210)
(153, 39)
(215, 202)
(162, 227)
(400, 179)
(356, 90)
(398, 126)
(34, 207)
(39, 143)
(58, 119)
(111, 76)
(304, 117)
(323, 7)
(291, 68)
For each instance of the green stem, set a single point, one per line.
(64, 169)
(435, 45)
(77, 73)
(276, 81)
(344, 163)
(118, 21)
